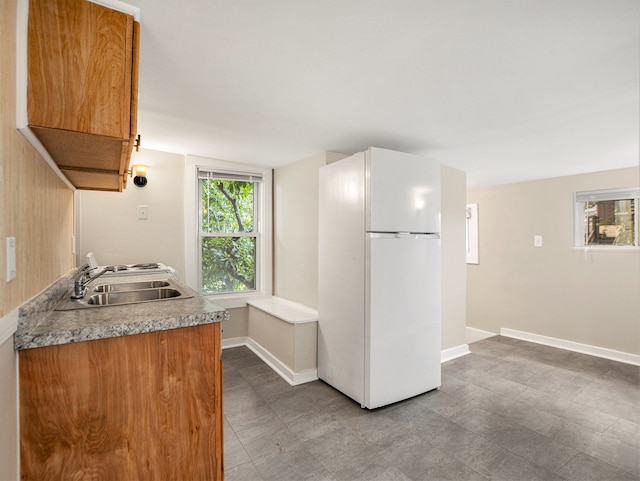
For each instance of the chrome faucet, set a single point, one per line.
(81, 280)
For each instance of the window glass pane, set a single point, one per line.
(227, 206)
(610, 222)
(228, 264)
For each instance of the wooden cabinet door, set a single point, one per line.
(140, 407)
(80, 58)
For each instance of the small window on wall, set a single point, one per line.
(607, 219)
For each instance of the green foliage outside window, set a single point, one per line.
(228, 260)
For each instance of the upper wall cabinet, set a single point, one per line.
(82, 82)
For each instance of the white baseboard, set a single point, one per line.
(474, 335)
(454, 352)
(8, 326)
(235, 342)
(293, 378)
(596, 351)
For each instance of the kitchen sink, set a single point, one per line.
(130, 286)
(118, 294)
(128, 297)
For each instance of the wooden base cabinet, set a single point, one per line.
(140, 407)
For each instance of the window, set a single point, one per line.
(228, 216)
(607, 218)
(228, 231)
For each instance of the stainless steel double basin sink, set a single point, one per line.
(123, 293)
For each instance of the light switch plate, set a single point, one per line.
(537, 241)
(143, 212)
(10, 243)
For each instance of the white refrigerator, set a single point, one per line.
(379, 272)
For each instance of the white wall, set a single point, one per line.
(108, 224)
(8, 412)
(556, 291)
(295, 228)
(454, 263)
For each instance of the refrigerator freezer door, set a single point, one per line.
(402, 319)
(402, 192)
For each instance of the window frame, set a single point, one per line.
(581, 197)
(257, 181)
(263, 201)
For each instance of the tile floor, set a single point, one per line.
(510, 410)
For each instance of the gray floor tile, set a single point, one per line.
(335, 443)
(355, 460)
(481, 422)
(234, 452)
(271, 390)
(248, 415)
(587, 468)
(374, 427)
(295, 464)
(584, 415)
(243, 472)
(613, 451)
(625, 403)
(534, 447)
(511, 410)
(258, 373)
(626, 431)
(460, 442)
(375, 471)
(419, 459)
(309, 426)
(417, 414)
(266, 439)
(499, 464)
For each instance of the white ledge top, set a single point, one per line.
(288, 311)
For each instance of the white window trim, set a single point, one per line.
(579, 198)
(192, 231)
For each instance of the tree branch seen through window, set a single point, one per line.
(228, 236)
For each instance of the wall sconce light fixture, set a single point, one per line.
(139, 174)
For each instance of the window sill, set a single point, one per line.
(233, 301)
(619, 249)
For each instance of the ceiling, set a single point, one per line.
(506, 90)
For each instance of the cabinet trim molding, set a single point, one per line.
(121, 7)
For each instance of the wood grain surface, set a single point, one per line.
(142, 407)
(80, 57)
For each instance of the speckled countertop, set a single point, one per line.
(39, 325)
